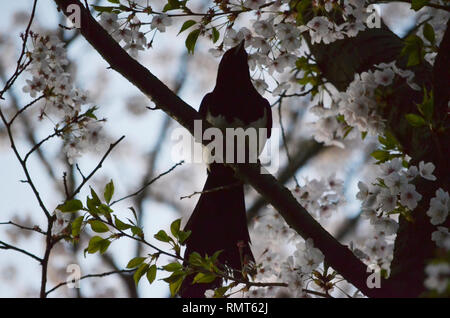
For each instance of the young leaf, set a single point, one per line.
(70, 206)
(204, 278)
(428, 33)
(135, 262)
(215, 35)
(76, 226)
(121, 225)
(151, 274)
(176, 284)
(415, 120)
(95, 198)
(109, 191)
(136, 230)
(173, 267)
(175, 227)
(103, 9)
(162, 236)
(140, 272)
(191, 40)
(380, 155)
(98, 226)
(94, 244)
(418, 4)
(183, 236)
(186, 25)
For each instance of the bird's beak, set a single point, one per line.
(240, 48)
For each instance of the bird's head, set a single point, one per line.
(234, 66)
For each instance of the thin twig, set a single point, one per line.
(225, 187)
(148, 183)
(90, 276)
(20, 111)
(99, 165)
(34, 228)
(6, 246)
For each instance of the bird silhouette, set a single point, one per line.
(219, 221)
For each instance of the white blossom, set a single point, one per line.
(438, 276)
(409, 196)
(160, 22)
(426, 170)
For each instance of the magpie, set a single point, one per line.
(218, 221)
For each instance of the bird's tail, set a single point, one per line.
(218, 223)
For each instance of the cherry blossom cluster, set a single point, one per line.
(438, 273)
(321, 197)
(126, 30)
(64, 103)
(301, 258)
(393, 193)
(438, 21)
(438, 276)
(357, 107)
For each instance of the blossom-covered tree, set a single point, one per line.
(362, 84)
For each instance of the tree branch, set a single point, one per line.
(123, 271)
(6, 246)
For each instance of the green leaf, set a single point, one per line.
(183, 236)
(418, 4)
(95, 198)
(191, 40)
(415, 120)
(109, 191)
(90, 203)
(204, 278)
(97, 244)
(70, 206)
(175, 287)
(388, 140)
(103, 9)
(151, 273)
(172, 5)
(215, 35)
(135, 262)
(104, 246)
(136, 230)
(186, 25)
(413, 48)
(90, 113)
(134, 213)
(216, 256)
(98, 226)
(162, 236)
(195, 259)
(173, 267)
(76, 226)
(105, 210)
(428, 33)
(114, 1)
(140, 272)
(363, 135)
(121, 225)
(426, 108)
(175, 227)
(175, 276)
(380, 155)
